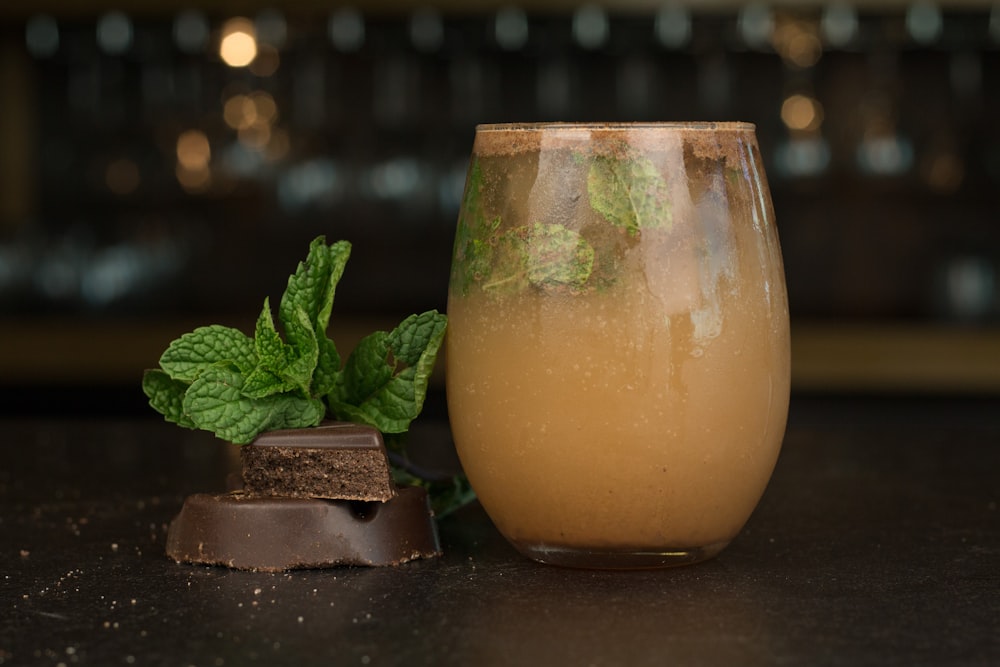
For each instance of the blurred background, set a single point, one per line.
(165, 165)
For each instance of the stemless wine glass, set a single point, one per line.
(618, 347)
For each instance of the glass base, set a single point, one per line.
(617, 559)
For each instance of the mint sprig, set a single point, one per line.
(218, 379)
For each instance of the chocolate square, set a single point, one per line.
(336, 461)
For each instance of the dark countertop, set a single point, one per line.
(877, 542)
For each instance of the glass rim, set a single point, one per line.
(712, 126)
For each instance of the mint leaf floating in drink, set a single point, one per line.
(475, 234)
(542, 256)
(558, 256)
(629, 192)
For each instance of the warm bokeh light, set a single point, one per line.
(279, 145)
(122, 176)
(238, 47)
(264, 106)
(239, 112)
(256, 136)
(193, 150)
(801, 113)
(798, 43)
(250, 112)
(943, 171)
(267, 61)
(194, 180)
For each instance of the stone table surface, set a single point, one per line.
(876, 543)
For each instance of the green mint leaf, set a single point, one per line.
(305, 352)
(367, 369)
(188, 356)
(327, 374)
(416, 339)
(272, 352)
(542, 256)
(280, 366)
(273, 355)
(166, 396)
(385, 378)
(474, 234)
(311, 288)
(262, 382)
(629, 192)
(215, 403)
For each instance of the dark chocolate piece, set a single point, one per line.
(275, 534)
(336, 460)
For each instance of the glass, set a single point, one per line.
(618, 347)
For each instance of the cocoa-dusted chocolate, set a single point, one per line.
(336, 460)
(281, 533)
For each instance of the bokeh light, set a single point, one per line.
(194, 180)
(122, 176)
(798, 43)
(238, 47)
(193, 150)
(239, 112)
(191, 31)
(267, 61)
(114, 33)
(346, 29)
(41, 36)
(801, 113)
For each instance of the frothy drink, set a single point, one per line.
(617, 355)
